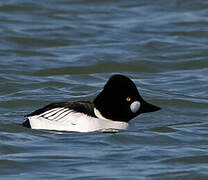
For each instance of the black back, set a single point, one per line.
(85, 107)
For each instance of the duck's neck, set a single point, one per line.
(99, 115)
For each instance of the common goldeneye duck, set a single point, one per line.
(112, 109)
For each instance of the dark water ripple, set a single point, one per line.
(66, 50)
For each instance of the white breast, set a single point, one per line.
(63, 119)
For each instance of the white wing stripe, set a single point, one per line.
(69, 116)
(51, 113)
(51, 110)
(62, 116)
(57, 114)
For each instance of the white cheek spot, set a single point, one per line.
(135, 106)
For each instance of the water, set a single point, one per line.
(55, 50)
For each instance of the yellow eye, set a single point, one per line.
(128, 99)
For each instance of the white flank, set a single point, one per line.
(63, 119)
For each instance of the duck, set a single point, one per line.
(111, 110)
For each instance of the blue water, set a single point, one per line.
(62, 50)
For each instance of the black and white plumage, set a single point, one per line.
(116, 104)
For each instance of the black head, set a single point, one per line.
(121, 101)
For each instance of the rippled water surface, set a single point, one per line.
(59, 50)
